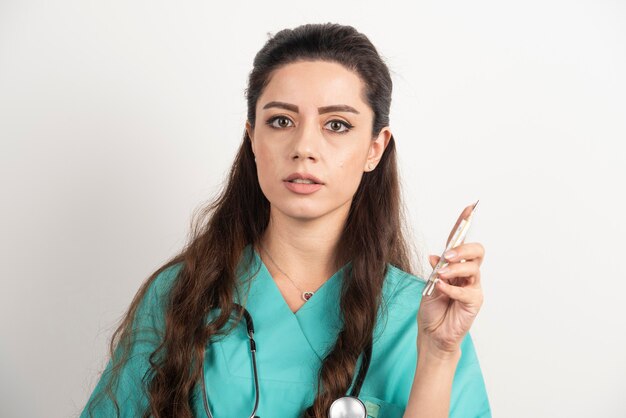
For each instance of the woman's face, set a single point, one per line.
(300, 130)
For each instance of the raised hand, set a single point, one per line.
(446, 316)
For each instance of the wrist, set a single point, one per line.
(429, 351)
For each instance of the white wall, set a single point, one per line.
(118, 119)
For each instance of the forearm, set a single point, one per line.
(432, 384)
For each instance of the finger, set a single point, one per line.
(469, 268)
(466, 295)
(470, 271)
(466, 251)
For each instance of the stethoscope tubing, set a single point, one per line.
(354, 393)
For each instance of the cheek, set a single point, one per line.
(350, 163)
(266, 173)
(348, 172)
(269, 171)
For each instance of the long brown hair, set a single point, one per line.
(373, 235)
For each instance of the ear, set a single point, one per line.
(250, 132)
(377, 148)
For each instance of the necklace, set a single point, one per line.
(306, 295)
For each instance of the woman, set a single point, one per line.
(307, 235)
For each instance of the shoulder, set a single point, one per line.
(401, 286)
(401, 298)
(164, 280)
(157, 294)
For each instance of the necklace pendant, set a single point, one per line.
(307, 295)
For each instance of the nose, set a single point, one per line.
(307, 142)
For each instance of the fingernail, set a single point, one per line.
(442, 271)
(449, 255)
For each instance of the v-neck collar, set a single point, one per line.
(329, 286)
(319, 320)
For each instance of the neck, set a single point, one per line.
(304, 249)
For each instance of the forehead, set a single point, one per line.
(309, 84)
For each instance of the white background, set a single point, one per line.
(119, 118)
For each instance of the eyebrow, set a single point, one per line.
(321, 110)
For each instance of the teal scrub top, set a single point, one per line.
(290, 350)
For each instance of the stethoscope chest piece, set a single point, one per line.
(347, 407)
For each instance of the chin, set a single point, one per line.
(300, 210)
(304, 214)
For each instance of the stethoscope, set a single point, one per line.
(345, 407)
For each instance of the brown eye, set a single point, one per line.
(283, 122)
(336, 123)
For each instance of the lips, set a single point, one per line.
(306, 176)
